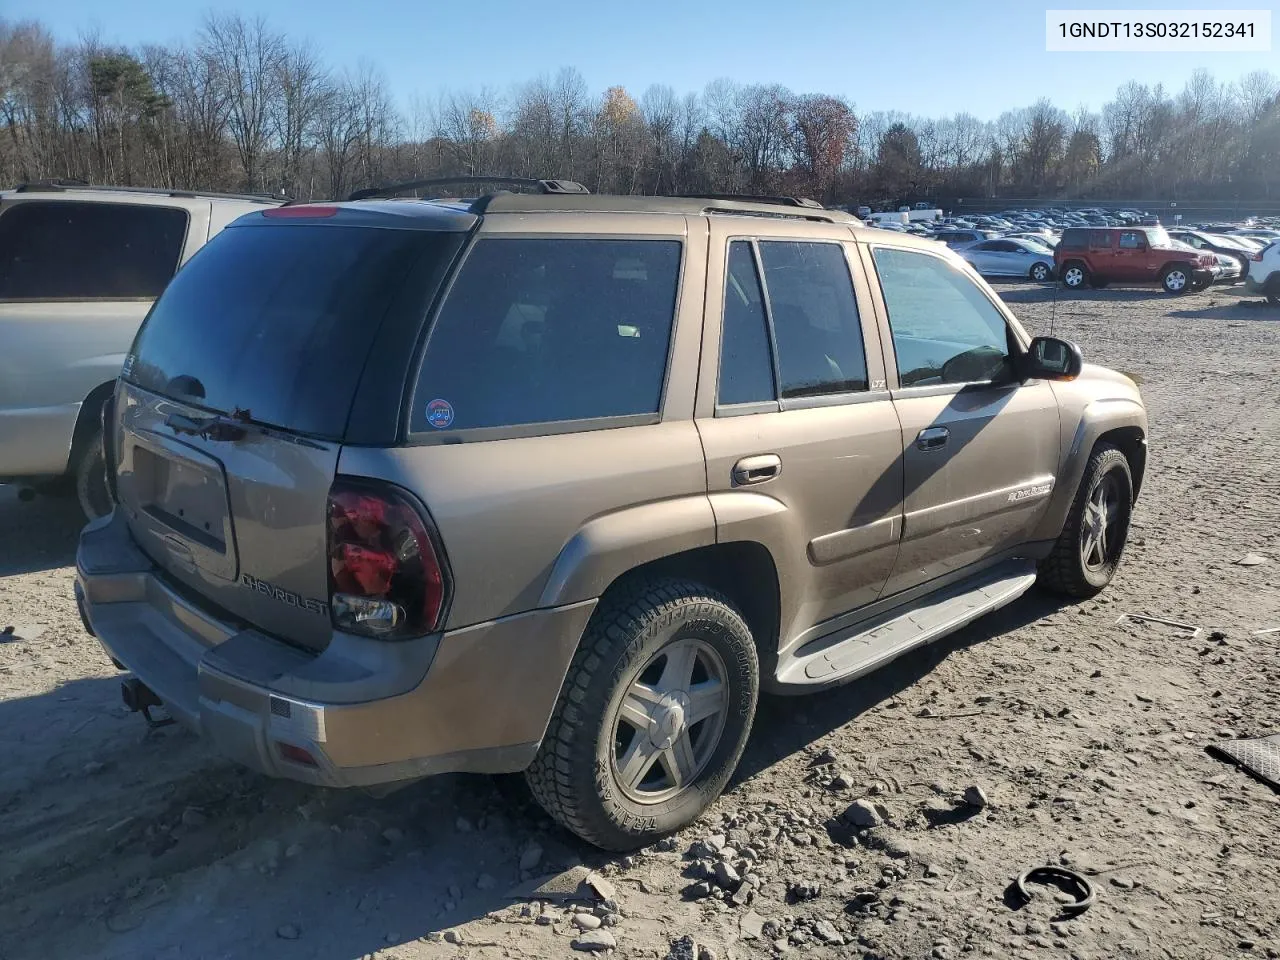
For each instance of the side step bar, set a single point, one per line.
(867, 646)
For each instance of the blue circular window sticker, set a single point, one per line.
(440, 413)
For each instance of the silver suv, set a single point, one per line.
(559, 483)
(79, 268)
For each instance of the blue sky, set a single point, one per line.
(929, 57)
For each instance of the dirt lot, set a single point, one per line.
(1086, 737)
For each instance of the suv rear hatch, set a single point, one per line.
(287, 335)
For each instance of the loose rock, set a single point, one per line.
(587, 921)
(825, 931)
(862, 814)
(726, 875)
(531, 857)
(596, 941)
(974, 796)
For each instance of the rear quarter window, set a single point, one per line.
(543, 330)
(1075, 240)
(69, 250)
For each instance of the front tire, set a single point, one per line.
(1087, 553)
(91, 480)
(1040, 272)
(1176, 280)
(652, 718)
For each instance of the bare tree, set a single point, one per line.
(300, 83)
(249, 57)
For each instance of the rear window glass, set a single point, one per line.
(278, 320)
(68, 250)
(544, 330)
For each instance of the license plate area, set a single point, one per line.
(179, 496)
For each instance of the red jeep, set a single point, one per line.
(1099, 255)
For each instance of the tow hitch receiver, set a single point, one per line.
(140, 698)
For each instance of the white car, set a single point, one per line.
(1006, 257)
(1264, 273)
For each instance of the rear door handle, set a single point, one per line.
(932, 438)
(757, 469)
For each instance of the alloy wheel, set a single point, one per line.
(1100, 534)
(669, 721)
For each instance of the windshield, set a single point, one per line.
(1230, 242)
(1159, 237)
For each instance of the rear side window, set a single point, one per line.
(278, 320)
(542, 330)
(1100, 239)
(68, 250)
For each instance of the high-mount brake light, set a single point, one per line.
(387, 577)
(305, 211)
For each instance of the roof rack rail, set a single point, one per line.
(62, 185)
(540, 186)
(756, 198)
(58, 183)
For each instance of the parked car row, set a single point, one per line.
(1125, 246)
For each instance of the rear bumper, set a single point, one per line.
(476, 699)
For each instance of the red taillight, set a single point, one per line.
(1256, 256)
(302, 210)
(386, 575)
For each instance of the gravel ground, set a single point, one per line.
(1085, 738)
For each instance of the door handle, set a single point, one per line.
(757, 469)
(931, 438)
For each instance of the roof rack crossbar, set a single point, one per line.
(541, 186)
(756, 198)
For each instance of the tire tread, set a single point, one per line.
(617, 623)
(1061, 571)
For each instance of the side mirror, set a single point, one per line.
(1049, 358)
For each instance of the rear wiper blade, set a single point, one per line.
(230, 428)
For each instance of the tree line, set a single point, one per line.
(241, 107)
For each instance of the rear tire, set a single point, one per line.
(91, 480)
(577, 776)
(1082, 563)
(1272, 290)
(1074, 275)
(1176, 280)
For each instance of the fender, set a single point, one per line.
(747, 515)
(607, 546)
(1099, 417)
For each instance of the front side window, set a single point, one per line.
(815, 318)
(70, 250)
(539, 330)
(945, 330)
